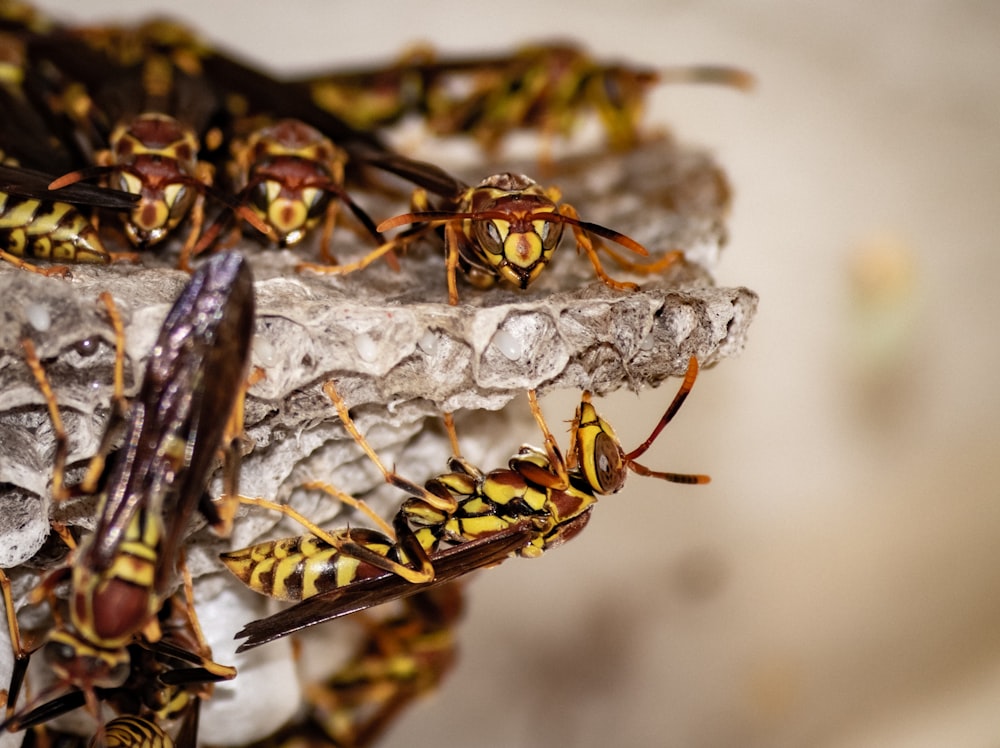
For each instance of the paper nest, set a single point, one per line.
(399, 354)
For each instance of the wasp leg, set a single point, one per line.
(225, 505)
(368, 259)
(60, 271)
(584, 242)
(391, 477)
(341, 542)
(119, 405)
(346, 498)
(668, 259)
(559, 480)
(449, 427)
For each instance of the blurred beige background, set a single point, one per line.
(838, 584)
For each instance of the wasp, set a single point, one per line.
(401, 659)
(142, 119)
(130, 731)
(544, 87)
(47, 224)
(167, 681)
(506, 228)
(36, 221)
(288, 174)
(455, 523)
(121, 573)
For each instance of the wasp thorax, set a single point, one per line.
(509, 182)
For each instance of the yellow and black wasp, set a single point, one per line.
(144, 113)
(127, 731)
(36, 145)
(291, 176)
(167, 681)
(290, 159)
(506, 228)
(544, 87)
(123, 572)
(455, 523)
(401, 658)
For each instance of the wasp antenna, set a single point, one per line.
(422, 216)
(595, 228)
(80, 175)
(723, 75)
(687, 478)
(675, 405)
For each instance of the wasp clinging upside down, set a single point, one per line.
(538, 502)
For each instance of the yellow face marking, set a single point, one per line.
(522, 249)
(130, 183)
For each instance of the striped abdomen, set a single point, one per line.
(294, 569)
(135, 732)
(47, 230)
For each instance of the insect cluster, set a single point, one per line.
(139, 157)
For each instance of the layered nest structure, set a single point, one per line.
(400, 356)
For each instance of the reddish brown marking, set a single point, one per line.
(119, 609)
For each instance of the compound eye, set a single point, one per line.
(316, 200)
(607, 464)
(58, 653)
(177, 198)
(118, 674)
(550, 234)
(259, 197)
(492, 237)
(129, 183)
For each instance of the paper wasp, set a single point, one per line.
(142, 118)
(167, 681)
(121, 732)
(505, 228)
(36, 222)
(134, 732)
(401, 659)
(45, 224)
(122, 573)
(287, 173)
(539, 501)
(545, 87)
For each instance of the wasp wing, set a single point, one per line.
(29, 183)
(449, 565)
(177, 422)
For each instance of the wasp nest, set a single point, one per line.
(400, 356)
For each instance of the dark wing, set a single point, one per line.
(432, 178)
(448, 565)
(194, 375)
(266, 95)
(117, 83)
(29, 183)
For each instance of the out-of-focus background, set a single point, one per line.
(838, 583)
